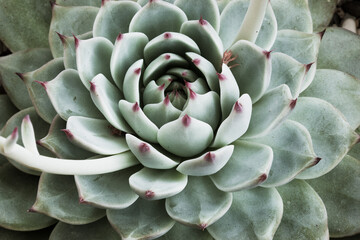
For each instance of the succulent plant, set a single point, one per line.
(178, 119)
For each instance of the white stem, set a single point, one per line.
(67, 166)
(28, 135)
(254, 17)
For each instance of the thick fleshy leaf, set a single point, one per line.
(138, 121)
(57, 142)
(161, 113)
(254, 214)
(37, 93)
(57, 197)
(18, 192)
(186, 74)
(293, 14)
(7, 109)
(206, 38)
(236, 124)
(340, 193)
(286, 70)
(131, 85)
(182, 232)
(157, 67)
(204, 107)
(148, 155)
(70, 97)
(164, 17)
(93, 57)
(111, 190)
(154, 184)
(208, 163)
(70, 48)
(128, 49)
(322, 13)
(248, 167)
(207, 69)
(345, 87)
(20, 62)
(142, 220)
(251, 68)
(229, 91)
(100, 229)
(293, 152)
(185, 136)
(332, 136)
(169, 42)
(207, 9)
(233, 16)
(106, 98)
(153, 93)
(304, 214)
(113, 18)
(40, 127)
(67, 21)
(269, 111)
(24, 24)
(95, 135)
(200, 204)
(331, 58)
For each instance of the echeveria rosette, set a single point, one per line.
(185, 118)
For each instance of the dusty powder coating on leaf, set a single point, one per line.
(245, 170)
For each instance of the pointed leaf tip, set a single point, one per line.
(119, 37)
(68, 133)
(221, 76)
(202, 21)
(238, 107)
(321, 34)
(137, 71)
(42, 84)
(267, 54)
(203, 226)
(136, 107)
(52, 4)
(27, 118)
(209, 157)
(144, 148)
(308, 66)
(196, 61)
(92, 87)
(21, 76)
(167, 35)
(31, 210)
(15, 133)
(149, 194)
(293, 103)
(76, 41)
(186, 120)
(62, 37)
(262, 178)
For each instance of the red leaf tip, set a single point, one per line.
(42, 84)
(262, 178)
(144, 147)
(149, 194)
(209, 157)
(15, 133)
(202, 21)
(92, 87)
(31, 210)
(238, 107)
(167, 100)
(119, 37)
(21, 75)
(308, 66)
(62, 37)
(68, 133)
(186, 120)
(137, 71)
(77, 41)
(192, 94)
(321, 34)
(196, 61)
(267, 53)
(167, 56)
(221, 76)
(136, 107)
(293, 103)
(202, 226)
(167, 35)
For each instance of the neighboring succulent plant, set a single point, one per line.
(224, 116)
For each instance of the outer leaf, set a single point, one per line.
(345, 87)
(68, 21)
(94, 3)
(57, 197)
(20, 62)
(248, 167)
(254, 214)
(70, 97)
(24, 24)
(37, 93)
(111, 190)
(293, 14)
(252, 68)
(93, 57)
(100, 229)
(42, 234)
(57, 142)
(164, 17)
(321, 12)
(332, 136)
(113, 18)
(304, 213)
(293, 152)
(200, 204)
(142, 220)
(7, 109)
(95, 135)
(153, 184)
(232, 17)
(331, 58)
(269, 111)
(338, 189)
(206, 9)
(70, 48)
(18, 191)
